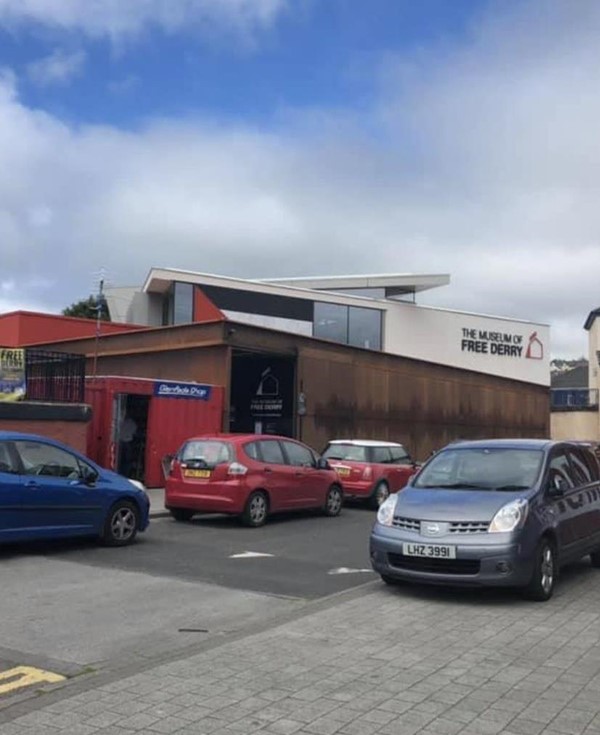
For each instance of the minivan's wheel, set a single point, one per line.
(545, 572)
(256, 510)
(333, 501)
(595, 559)
(121, 525)
(379, 495)
(181, 514)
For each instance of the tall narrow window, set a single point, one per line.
(364, 328)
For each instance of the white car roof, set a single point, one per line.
(365, 443)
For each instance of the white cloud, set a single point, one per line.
(59, 67)
(486, 165)
(122, 18)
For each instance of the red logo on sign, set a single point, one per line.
(535, 348)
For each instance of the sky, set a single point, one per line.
(278, 138)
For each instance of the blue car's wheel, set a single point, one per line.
(121, 525)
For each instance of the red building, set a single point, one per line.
(27, 328)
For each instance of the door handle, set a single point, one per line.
(32, 483)
(268, 470)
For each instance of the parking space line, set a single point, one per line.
(25, 676)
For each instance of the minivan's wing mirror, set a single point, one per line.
(323, 464)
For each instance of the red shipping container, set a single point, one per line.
(136, 422)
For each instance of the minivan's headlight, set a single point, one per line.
(385, 514)
(510, 517)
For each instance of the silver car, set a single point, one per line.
(499, 513)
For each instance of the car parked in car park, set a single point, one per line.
(49, 491)
(250, 476)
(498, 513)
(370, 470)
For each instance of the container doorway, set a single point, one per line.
(130, 416)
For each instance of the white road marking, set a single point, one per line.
(249, 555)
(348, 570)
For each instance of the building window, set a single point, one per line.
(364, 328)
(183, 305)
(331, 322)
(178, 306)
(349, 325)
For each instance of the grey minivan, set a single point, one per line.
(499, 513)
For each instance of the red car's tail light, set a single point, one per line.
(367, 473)
(237, 469)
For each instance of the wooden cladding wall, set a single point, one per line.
(200, 364)
(424, 406)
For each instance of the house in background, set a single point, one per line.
(574, 393)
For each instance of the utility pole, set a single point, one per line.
(99, 307)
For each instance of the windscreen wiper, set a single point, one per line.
(512, 487)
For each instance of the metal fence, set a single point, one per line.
(54, 376)
(574, 399)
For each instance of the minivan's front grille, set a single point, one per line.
(434, 566)
(460, 527)
(469, 527)
(407, 524)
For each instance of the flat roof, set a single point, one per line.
(395, 284)
(159, 280)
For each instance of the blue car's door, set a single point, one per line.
(10, 492)
(55, 499)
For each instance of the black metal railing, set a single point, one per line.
(54, 376)
(574, 399)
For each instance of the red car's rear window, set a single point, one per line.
(209, 451)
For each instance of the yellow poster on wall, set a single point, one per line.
(12, 374)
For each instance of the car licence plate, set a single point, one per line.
(197, 473)
(433, 551)
(342, 471)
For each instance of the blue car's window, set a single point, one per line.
(7, 463)
(47, 461)
(482, 468)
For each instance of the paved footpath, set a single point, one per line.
(376, 660)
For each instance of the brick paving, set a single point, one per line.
(389, 661)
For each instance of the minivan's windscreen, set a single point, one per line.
(482, 469)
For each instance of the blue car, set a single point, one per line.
(506, 513)
(48, 490)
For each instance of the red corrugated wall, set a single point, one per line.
(170, 421)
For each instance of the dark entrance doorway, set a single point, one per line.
(262, 394)
(131, 414)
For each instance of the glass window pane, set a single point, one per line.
(364, 328)
(183, 306)
(400, 456)
(331, 322)
(346, 452)
(382, 455)
(7, 463)
(298, 456)
(271, 452)
(47, 461)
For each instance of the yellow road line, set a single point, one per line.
(25, 676)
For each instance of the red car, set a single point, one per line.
(370, 470)
(251, 476)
